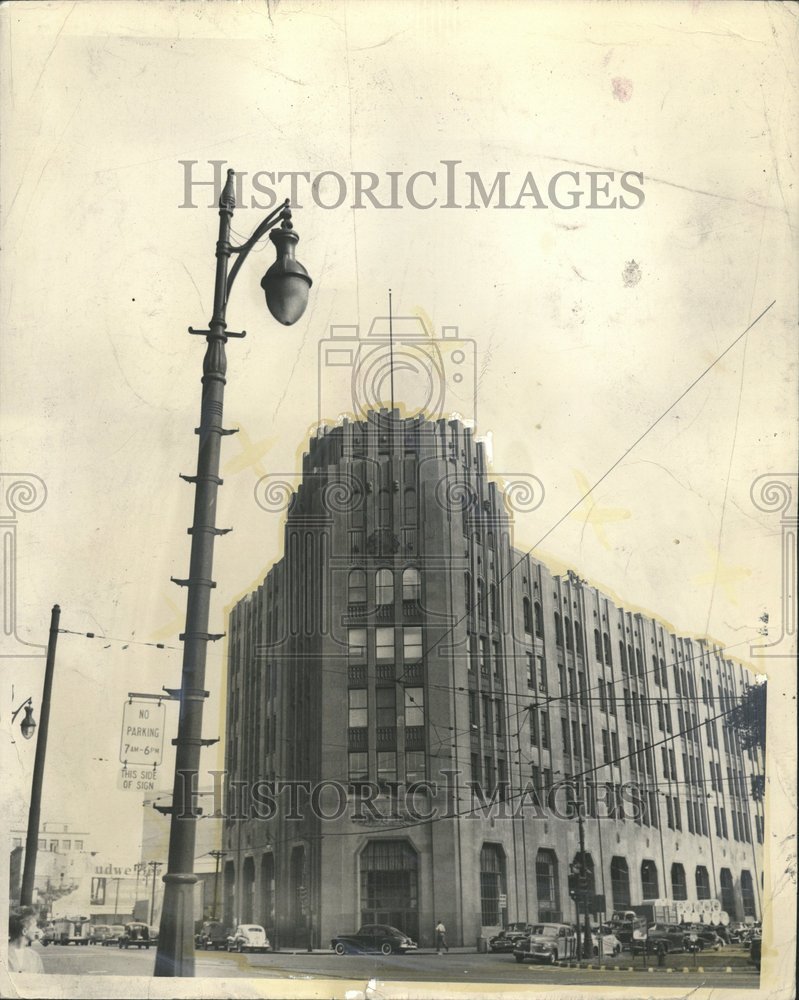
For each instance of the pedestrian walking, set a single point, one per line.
(441, 937)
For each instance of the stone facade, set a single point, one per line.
(402, 638)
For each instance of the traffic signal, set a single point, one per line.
(574, 881)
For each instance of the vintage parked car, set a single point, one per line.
(508, 938)
(660, 939)
(135, 935)
(99, 933)
(603, 936)
(549, 943)
(248, 937)
(624, 923)
(374, 937)
(116, 932)
(213, 936)
(699, 937)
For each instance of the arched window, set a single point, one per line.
(558, 630)
(578, 638)
(702, 883)
(384, 587)
(546, 881)
(492, 601)
(747, 894)
(468, 596)
(728, 893)
(620, 883)
(567, 628)
(639, 663)
(597, 645)
(649, 880)
(679, 887)
(411, 584)
(492, 883)
(606, 644)
(539, 621)
(356, 587)
(528, 621)
(623, 657)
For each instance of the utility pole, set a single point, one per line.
(155, 865)
(35, 809)
(216, 855)
(583, 882)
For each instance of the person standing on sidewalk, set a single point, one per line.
(441, 937)
(21, 935)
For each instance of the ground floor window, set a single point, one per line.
(546, 881)
(389, 872)
(679, 888)
(492, 883)
(702, 883)
(620, 883)
(649, 880)
(747, 894)
(727, 893)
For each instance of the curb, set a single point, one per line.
(685, 970)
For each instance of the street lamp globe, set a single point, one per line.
(286, 283)
(28, 724)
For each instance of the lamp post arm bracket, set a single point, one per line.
(245, 248)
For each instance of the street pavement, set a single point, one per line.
(727, 968)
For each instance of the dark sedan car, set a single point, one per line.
(373, 937)
(508, 938)
(213, 936)
(660, 939)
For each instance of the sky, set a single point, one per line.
(606, 346)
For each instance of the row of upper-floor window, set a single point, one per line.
(385, 642)
(385, 706)
(54, 845)
(492, 716)
(357, 585)
(385, 504)
(391, 767)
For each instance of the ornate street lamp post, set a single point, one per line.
(286, 286)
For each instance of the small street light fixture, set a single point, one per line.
(286, 285)
(28, 724)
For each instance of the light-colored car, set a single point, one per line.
(604, 941)
(548, 943)
(248, 937)
(116, 932)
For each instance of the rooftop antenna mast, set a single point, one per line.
(391, 347)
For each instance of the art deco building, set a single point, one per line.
(403, 639)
